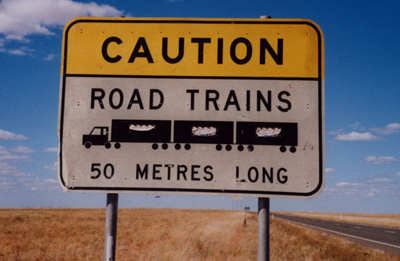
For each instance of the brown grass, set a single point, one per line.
(163, 234)
(384, 220)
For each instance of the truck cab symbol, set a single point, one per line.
(98, 136)
(128, 131)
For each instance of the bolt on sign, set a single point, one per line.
(205, 106)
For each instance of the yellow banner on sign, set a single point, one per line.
(193, 48)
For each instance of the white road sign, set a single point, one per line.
(205, 106)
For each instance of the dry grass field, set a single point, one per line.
(383, 220)
(163, 234)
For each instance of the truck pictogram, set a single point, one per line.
(191, 132)
(128, 131)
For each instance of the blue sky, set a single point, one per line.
(362, 94)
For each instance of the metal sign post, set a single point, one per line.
(110, 236)
(263, 229)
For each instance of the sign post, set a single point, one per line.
(263, 229)
(110, 237)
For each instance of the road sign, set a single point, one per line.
(207, 106)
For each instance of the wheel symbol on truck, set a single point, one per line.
(88, 144)
(98, 136)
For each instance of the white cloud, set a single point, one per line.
(370, 195)
(381, 180)
(356, 136)
(6, 135)
(17, 52)
(342, 184)
(49, 57)
(37, 184)
(6, 168)
(337, 132)
(381, 160)
(381, 185)
(12, 170)
(22, 51)
(389, 129)
(328, 170)
(52, 167)
(54, 149)
(356, 126)
(6, 155)
(6, 185)
(20, 18)
(21, 149)
(347, 184)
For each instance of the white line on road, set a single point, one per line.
(392, 232)
(343, 234)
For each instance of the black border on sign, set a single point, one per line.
(188, 21)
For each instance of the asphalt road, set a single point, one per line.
(386, 239)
